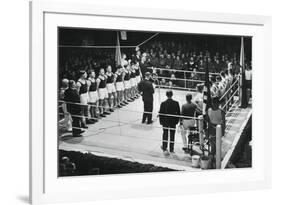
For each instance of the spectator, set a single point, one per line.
(186, 122)
(72, 98)
(215, 116)
(248, 80)
(194, 76)
(66, 121)
(67, 167)
(198, 98)
(154, 60)
(178, 64)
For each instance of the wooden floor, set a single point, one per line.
(121, 135)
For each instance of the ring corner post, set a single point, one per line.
(218, 146)
(200, 129)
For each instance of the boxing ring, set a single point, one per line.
(121, 134)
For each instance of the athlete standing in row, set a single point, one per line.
(82, 86)
(133, 82)
(93, 95)
(110, 85)
(119, 86)
(102, 91)
(127, 85)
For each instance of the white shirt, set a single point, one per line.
(248, 74)
(198, 99)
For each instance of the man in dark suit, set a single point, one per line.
(147, 91)
(71, 96)
(169, 117)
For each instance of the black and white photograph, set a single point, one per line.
(142, 102)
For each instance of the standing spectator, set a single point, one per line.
(215, 116)
(66, 121)
(198, 98)
(147, 91)
(72, 98)
(248, 80)
(187, 120)
(169, 107)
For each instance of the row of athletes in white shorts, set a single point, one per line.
(103, 93)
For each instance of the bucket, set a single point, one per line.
(195, 161)
(204, 162)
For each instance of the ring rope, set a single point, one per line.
(229, 89)
(70, 46)
(183, 71)
(176, 87)
(127, 110)
(126, 135)
(230, 98)
(192, 80)
(127, 122)
(147, 40)
(228, 124)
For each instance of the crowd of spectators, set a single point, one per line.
(170, 56)
(74, 163)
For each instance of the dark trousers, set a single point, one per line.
(76, 122)
(148, 107)
(165, 137)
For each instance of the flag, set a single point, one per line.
(123, 35)
(118, 52)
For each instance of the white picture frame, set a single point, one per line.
(46, 187)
